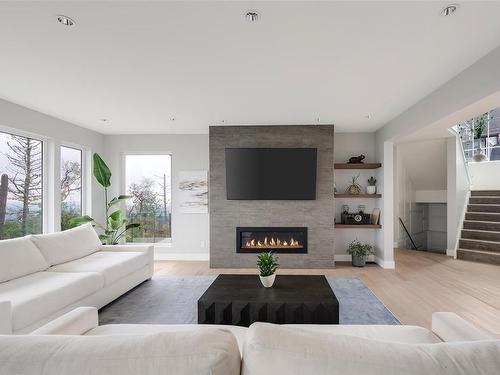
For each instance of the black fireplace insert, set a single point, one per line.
(290, 240)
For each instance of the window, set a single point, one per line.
(21, 160)
(148, 182)
(481, 134)
(71, 185)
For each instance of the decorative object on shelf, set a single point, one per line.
(334, 188)
(372, 187)
(359, 251)
(375, 216)
(480, 123)
(355, 218)
(267, 264)
(354, 188)
(193, 188)
(116, 225)
(356, 159)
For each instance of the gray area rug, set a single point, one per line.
(173, 300)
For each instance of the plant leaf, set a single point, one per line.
(101, 171)
(115, 219)
(80, 220)
(132, 225)
(116, 200)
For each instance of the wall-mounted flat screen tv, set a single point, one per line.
(271, 173)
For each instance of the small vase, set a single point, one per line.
(267, 281)
(358, 261)
(478, 156)
(371, 189)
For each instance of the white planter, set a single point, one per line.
(267, 281)
(371, 189)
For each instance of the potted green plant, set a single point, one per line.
(479, 126)
(267, 264)
(354, 188)
(372, 186)
(359, 252)
(116, 224)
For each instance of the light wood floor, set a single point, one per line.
(421, 284)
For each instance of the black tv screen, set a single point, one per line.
(271, 173)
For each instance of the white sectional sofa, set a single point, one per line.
(44, 276)
(75, 344)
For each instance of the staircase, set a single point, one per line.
(480, 240)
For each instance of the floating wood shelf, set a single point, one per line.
(357, 166)
(360, 226)
(336, 195)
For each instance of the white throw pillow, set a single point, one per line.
(71, 244)
(271, 349)
(209, 351)
(20, 257)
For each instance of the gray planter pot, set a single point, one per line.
(358, 261)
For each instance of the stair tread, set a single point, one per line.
(476, 240)
(480, 251)
(480, 230)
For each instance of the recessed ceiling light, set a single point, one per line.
(252, 16)
(66, 21)
(368, 116)
(449, 10)
(172, 118)
(103, 120)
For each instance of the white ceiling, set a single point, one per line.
(140, 64)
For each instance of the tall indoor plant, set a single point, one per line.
(480, 123)
(116, 224)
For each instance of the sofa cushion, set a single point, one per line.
(71, 244)
(397, 334)
(111, 265)
(35, 296)
(20, 257)
(137, 329)
(211, 351)
(272, 349)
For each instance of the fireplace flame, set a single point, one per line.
(273, 243)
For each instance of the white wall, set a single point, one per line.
(55, 132)
(485, 175)
(189, 152)
(347, 145)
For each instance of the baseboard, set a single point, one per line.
(385, 263)
(181, 256)
(348, 258)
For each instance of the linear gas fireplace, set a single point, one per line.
(292, 240)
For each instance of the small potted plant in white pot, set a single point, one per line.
(267, 264)
(359, 252)
(372, 186)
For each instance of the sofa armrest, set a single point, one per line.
(148, 249)
(75, 322)
(451, 327)
(5, 318)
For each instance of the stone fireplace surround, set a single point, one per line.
(316, 215)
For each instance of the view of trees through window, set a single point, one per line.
(71, 185)
(21, 160)
(148, 182)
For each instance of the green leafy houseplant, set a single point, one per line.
(359, 252)
(116, 224)
(267, 264)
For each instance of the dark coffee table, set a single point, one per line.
(242, 300)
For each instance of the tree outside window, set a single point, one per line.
(21, 160)
(71, 185)
(148, 182)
